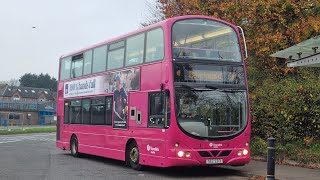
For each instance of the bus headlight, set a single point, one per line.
(245, 152)
(180, 154)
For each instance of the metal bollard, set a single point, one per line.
(271, 159)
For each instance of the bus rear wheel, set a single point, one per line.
(74, 146)
(133, 156)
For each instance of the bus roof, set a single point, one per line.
(159, 24)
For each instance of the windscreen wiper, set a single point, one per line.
(231, 90)
(187, 87)
(194, 88)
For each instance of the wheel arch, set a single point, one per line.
(72, 135)
(127, 149)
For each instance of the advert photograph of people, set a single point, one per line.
(120, 83)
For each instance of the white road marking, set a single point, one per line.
(27, 137)
(9, 141)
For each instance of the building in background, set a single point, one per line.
(21, 106)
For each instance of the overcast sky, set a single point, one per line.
(61, 26)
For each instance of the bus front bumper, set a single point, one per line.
(206, 157)
(172, 161)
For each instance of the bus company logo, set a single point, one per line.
(215, 145)
(151, 149)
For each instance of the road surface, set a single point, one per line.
(34, 156)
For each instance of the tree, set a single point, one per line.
(154, 13)
(282, 100)
(269, 25)
(38, 81)
(13, 82)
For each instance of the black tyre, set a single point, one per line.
(74, 147)
(133, 156)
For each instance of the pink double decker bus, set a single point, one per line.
(171, 94)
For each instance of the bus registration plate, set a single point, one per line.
(214, 161)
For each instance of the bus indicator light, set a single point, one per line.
(188, 154)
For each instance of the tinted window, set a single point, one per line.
(99, 59)
(86, 111)
(65, 68)
(115, 59)
(98, 111)
(87, 62)
(66, 112)
(155, 45)
(156, 110)
(75, 111)
(155, 104)
(134, 51)
(109, 110)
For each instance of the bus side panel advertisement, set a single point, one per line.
(118, 83)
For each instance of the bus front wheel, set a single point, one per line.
(133, 156)
(74, 146)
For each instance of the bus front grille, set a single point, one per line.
(215, 153)
(204, 154)
(225, 153)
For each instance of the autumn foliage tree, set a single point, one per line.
(269, 25)
(283, 102)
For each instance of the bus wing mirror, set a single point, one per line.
(244, 42)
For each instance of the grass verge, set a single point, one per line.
(28, 131)
(294, 153)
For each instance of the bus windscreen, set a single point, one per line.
(205, 39)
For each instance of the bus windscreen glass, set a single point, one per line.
(205, 39)
(211, 112)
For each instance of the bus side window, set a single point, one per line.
(159, 112)
(109, 104)
(77, 66)
(154, 45)
(65, 65)
(66, 112)
(75, 112)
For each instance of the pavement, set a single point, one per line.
(285, 172)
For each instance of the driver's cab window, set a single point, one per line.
(159, 110)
